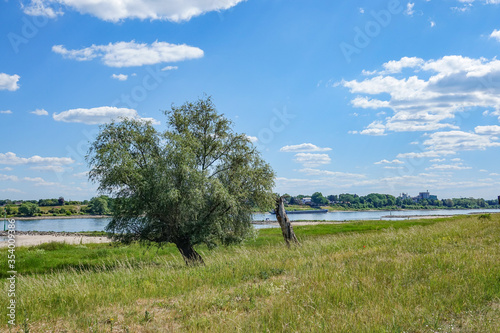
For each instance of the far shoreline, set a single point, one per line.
(19, 218)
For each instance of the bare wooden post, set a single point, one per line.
(285, 224)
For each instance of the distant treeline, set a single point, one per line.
(387, 201)
(102, 205)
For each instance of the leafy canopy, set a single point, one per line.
(194, 183)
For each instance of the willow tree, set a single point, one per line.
(196, 182)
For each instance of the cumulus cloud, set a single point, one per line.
(318, 172)
(310, 160)
(6, 112)
(8, 177)
(448, 167)
(495, 34)
(120, 77)
(40, 112)
(129, 54)
(12, 159)
(39, 181)
(303, 147)
(100, 115)
(114, 11)
(429, 98)
(9, 82)
(395, 161)
(460, 140)
(252, 138)
(40, 8)
(169, 68)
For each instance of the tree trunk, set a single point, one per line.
(191, 257)
(285, 224)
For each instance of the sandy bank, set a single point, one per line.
(30, 240)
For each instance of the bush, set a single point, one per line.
(484, 217)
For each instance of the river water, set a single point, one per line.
(98, 224)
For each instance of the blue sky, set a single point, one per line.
(339, 96)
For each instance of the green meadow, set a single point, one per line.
(429, 275)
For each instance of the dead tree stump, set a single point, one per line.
(285, 224)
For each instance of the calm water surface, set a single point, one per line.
(89, 224)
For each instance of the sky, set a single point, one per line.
(338, 96)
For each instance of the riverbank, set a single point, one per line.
(37, 239)
(50, 217)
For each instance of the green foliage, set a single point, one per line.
(98, 206)
(484, 217)
(28, 209)
(318, 199)
(196, 182)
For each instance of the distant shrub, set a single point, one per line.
(52, 246)
(484, 217)
(68, 213)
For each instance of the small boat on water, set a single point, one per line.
(312, 211)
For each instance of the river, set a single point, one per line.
(98, 224)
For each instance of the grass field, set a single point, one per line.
(438, 275)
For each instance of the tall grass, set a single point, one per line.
(439, 277)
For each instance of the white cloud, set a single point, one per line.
(488, 130)
(39, 8)
(318, 172)
(81, 174)
(12, 159)
(361, 10)
(8, 177)
(438, 160)
(430, 99)
(303, 147)
(9, 82)
(457, 166)
(13, 190)
(98, 115)
(425, 154)
(409, 9)
(395, 161)
(432, 23)
(252, 138)
(6, 112)
(366, 103)
(117, 10)
(495, 34)
(169, 68)
(40, 112)
(53, 168)
(395, 66)
(128, 54)
(120, 77)
(375, 128)
(459, 140)
(310, 160)
(39, 181)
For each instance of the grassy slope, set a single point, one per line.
(417, 276)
